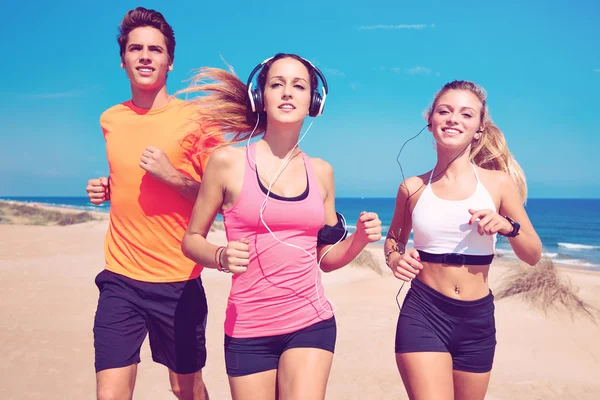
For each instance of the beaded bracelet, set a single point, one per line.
(390, 252)
(224, 269)
(218, 257)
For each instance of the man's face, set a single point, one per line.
(146, 60)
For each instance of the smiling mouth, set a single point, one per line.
(286, 107)
(451, 131)
(146, 70)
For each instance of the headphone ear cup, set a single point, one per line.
(258, 101)
(315, 104)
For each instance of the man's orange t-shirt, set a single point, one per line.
(147, 217)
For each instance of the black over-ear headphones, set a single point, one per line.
(317, 102)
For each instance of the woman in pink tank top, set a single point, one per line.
(446, 336)
(278, 207)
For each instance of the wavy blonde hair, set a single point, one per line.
(490, 151)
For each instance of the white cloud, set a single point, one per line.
(418, 71)
(333, 72)
(47, 172)
(394, 27)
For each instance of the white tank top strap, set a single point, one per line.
(431, 176)
(475, 170)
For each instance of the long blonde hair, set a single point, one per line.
(490, 151)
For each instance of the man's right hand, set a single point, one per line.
(98, 190)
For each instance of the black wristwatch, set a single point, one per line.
(515, 227)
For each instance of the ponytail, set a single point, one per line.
(490, 151)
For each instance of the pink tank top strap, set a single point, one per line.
(313, 186)
(250, 161)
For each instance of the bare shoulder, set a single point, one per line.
(321, 167)
(499, 184)
(224, 160)
(228, 155)
(494, 179)
(414, 184)
(410, 191)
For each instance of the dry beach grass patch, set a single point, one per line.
(544, 288)
(15, 213)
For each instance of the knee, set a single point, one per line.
(191, 391)
(116, 383)
(109, 393)
(182, 393)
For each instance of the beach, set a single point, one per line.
(49, 298)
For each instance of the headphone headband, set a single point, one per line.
(251, 94)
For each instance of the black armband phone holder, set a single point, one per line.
(332, 234)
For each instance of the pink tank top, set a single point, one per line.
(281, 292)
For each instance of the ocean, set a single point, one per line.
(569, 228)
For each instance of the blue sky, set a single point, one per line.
(384, 61)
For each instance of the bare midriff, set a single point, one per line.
(460, 282)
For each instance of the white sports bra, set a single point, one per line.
(442, 226)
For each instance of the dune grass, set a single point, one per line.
(544, 288)
(14, 213)
(366, 259)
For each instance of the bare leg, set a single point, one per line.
(259, 386)
(426, 375)
(470, 385)
(188, 386)
(303, 373)
(116, 383)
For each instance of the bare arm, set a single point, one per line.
(401, 224)
(183, 184)
(404, 265)
(208, 203)
(235, 256)
(527, 245)
(156, 162)
(368, 229)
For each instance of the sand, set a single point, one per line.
(49, 299)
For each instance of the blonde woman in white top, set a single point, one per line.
(446, 336)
